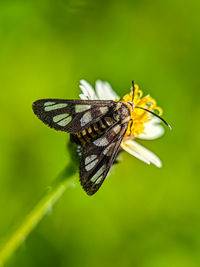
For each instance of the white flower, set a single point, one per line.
(152, 128)
(103, 91)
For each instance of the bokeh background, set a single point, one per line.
(142, 216)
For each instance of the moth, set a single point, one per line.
(96, 126)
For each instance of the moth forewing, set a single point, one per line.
(71, 116)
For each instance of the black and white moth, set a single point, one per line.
(97, 126)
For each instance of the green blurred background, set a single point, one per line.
(142, 216)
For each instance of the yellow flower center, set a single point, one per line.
(139, 116)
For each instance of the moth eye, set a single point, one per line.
(81, 108)
(54, 107)
(97, 175)
(87, 117)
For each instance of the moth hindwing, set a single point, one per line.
(98, 156)
(97, 126)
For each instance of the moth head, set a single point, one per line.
(142, 108)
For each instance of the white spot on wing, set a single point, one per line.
(60, 117)
(108, 150)
(80, 108)
(87, 117)
(65, 121)
(117, 129)
(103, 110)
(91, 165)
(98, 173)
(102, 141)
(99, 180)
(57, 106)
(49, 103)
(90, 158)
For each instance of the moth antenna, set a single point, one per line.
(156, 116)
(133, 85)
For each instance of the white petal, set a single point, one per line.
(153, 130)
(104, 91)
(83, 97)
(141, 153)
(87, 90)
(134, 153)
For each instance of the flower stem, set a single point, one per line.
(54, 192)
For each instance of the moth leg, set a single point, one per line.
(131, 126)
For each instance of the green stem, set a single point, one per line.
(63, 181)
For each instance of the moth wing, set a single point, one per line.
(71, 115)
(97, 158)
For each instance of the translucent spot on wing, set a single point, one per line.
(108, 150)
(117, 129)
(65, 121)
(81, 108)
(103, 110)
(54, 107)
(60, 117)
(99, 179)
(87, 117)
(49, 103)
(102, 141)
(91, 165)
(90, 158)
(98, 173)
